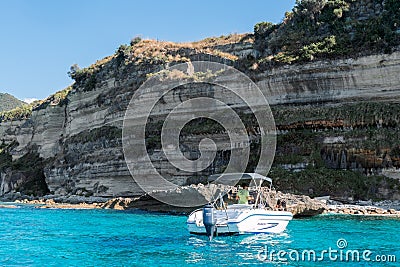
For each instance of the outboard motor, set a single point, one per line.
(209, 220)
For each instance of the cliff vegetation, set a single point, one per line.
(321, 29)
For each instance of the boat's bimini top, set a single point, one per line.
(230, 178)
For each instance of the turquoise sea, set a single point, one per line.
(45, 237)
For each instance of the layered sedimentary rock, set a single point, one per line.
(80, 140)
(368, 78)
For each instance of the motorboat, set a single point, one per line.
(223, 218)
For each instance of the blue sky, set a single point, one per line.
(41, 39)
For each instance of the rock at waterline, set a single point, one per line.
(299, 205)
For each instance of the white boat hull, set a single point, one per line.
(241, 220)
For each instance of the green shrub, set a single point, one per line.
(264, 28)
(18, 113)
(327, 29)
(135, 40)
(323, 48)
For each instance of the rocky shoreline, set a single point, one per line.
(299, 205)
(361, 210)
(299, 210)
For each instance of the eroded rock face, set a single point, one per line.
(365, 78)
(80, 139)
(23, 175)
(10, 182)
(302, 206)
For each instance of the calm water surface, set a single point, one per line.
(38, 237)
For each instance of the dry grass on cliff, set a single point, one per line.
(223, 40)
(159, 52)
(170, 51)
(154, 51)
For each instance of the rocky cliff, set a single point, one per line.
(340, 113)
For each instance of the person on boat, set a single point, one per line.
(278, 205)
(283, 204)
(243, 195)
(232, 193)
